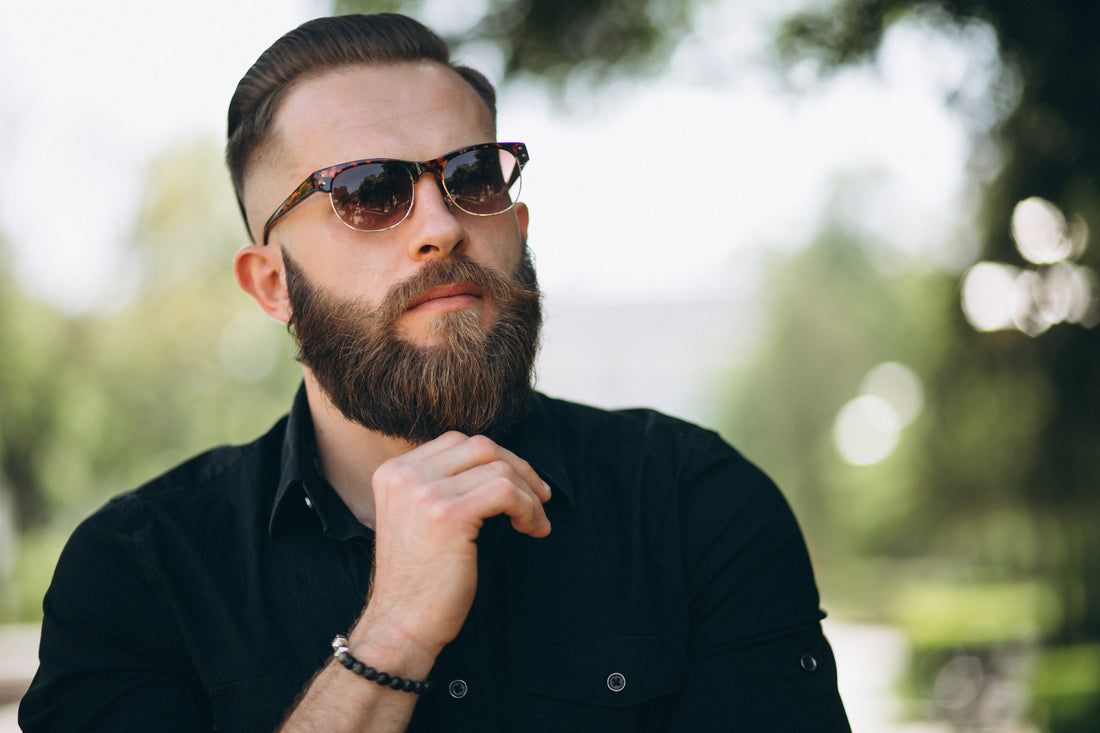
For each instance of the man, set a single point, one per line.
(406, 502)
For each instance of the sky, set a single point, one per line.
(87, 101)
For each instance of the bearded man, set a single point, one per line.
(405, 503)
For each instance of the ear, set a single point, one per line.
(259, 272)
(523, 217)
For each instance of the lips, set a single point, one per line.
(446, 291)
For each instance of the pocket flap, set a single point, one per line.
(616, 672)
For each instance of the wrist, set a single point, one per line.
(342, 655)
(388, 647)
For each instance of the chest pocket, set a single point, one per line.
(606, 683)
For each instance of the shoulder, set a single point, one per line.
(630, 424)
(670, 466)
(639, 437)
(682, 488)
(213, 486)
(660, 464)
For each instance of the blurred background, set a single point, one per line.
(854, 236)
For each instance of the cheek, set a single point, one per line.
(354, 278)
(501, 245)
(338, 259)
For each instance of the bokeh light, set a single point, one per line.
(989, 295)
(996, 296)
(868, 428)
(899, 386)
(1042, 234)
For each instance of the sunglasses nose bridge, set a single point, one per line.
(436, 168)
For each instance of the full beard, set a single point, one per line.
(471, 378)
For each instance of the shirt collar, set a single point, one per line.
(302, 485)
(534, 438)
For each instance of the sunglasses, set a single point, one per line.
(377, 194)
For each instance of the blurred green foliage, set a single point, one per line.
(555, 40)
(93, 404)
(831, 315)
(1066, 682)
(1007, 458)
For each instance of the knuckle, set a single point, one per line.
(405, 475)
(438, 512)
(420, 494)
(492, 486)
(501, 490)
(510, 494)
(381, 479)
(482, 446)
(500, 469)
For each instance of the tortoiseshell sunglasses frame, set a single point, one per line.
(322, 181)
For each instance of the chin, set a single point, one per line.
(448, 328)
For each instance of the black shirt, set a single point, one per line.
(674, 593)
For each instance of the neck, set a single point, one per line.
(349, 453)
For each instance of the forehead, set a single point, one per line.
(415, 111)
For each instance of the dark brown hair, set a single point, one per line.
(318, 46)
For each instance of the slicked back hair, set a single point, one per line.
(314, 48)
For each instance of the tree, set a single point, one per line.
(553, 39)
(34, 337)
(832, 317)
(1016, 430)
(92, 405)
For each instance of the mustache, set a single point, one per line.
(457, 268)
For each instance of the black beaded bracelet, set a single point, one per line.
(343, 656)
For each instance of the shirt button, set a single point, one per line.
(616, 682)
(309, 503)
(458, 689)
(809, 663)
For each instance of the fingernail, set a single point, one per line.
(547, 487)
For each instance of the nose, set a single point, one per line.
(434, 229)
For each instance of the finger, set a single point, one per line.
(456, 455)
(433, 447)
(504, 497)
(419, 465)
(478, 476)
(523, 469)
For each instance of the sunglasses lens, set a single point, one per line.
(483, 181)
(373, 196)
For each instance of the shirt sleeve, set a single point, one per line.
(757, 659)
(110, 658)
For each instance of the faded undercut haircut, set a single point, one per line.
(316, 47)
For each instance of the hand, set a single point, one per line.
(430, 504)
